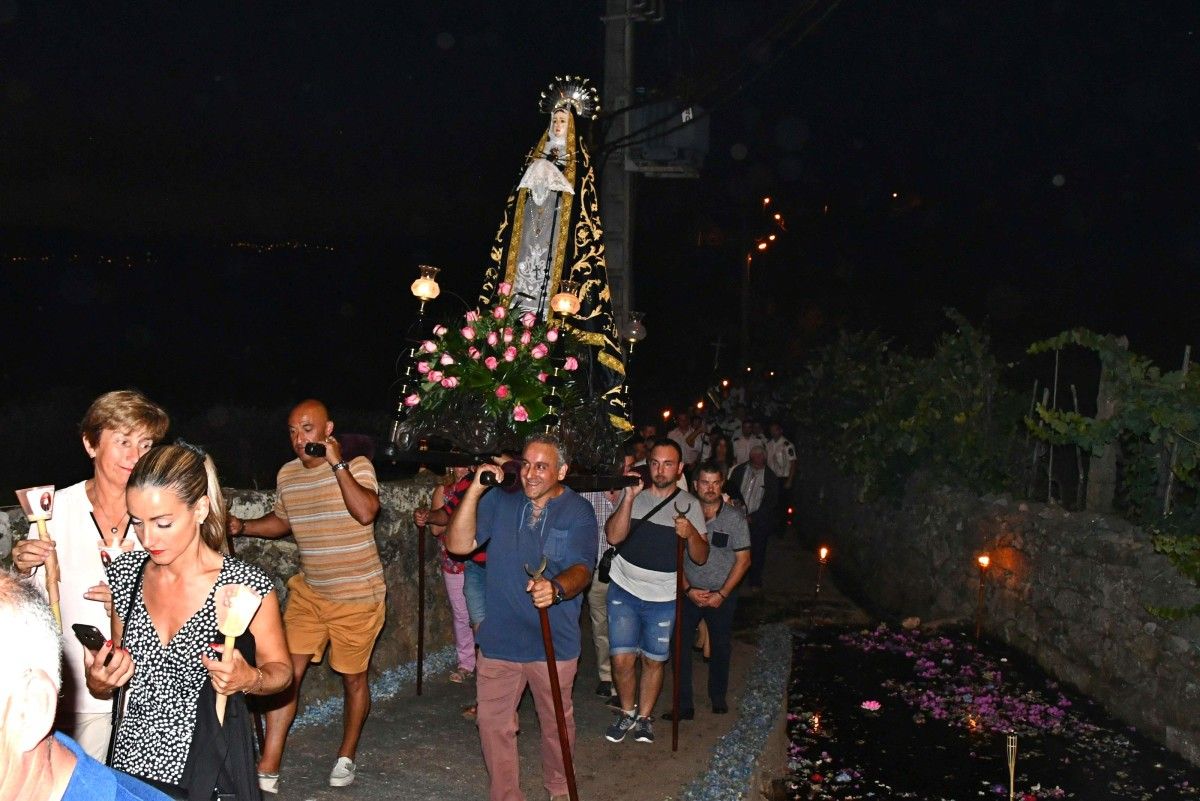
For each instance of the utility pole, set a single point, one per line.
(616, 190)
(616, 197)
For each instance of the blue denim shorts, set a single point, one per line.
(474, 585)
(637, 626)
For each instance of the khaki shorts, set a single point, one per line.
(312, 622)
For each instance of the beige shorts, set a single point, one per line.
(349, 629)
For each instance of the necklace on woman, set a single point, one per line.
(94, 497)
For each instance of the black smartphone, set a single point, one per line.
(314, 449)
(92, 639)
(90, 636)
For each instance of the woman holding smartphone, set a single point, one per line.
(165, 616)
(91, 524)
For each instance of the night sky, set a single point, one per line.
(1034, 164)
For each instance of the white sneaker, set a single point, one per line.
(268, 782)
(342, 773)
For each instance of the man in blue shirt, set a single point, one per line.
(33, 764)
(546, 520)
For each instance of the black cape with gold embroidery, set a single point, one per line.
(578, 255)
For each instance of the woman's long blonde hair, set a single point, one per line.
(190, 473)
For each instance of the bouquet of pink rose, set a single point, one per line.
(500, 365)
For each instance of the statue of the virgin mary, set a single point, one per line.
(551, 233)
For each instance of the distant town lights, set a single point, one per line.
(762, 245)
(666, 415)
(699, 405)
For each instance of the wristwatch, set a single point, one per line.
(559, 594)
(343, 465)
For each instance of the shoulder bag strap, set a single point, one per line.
(639, 520)
(118, 711)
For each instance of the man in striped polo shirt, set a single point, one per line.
(337, 600)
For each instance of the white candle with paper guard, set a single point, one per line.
(236, 606)
(38, 505)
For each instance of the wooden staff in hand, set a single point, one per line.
(680, 542)
(560, 716)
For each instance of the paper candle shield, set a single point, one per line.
(37, 502)
(236, 606)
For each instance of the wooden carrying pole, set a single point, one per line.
(420, 606)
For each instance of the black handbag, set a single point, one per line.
(604, 567)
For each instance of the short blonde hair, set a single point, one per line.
(124, 410)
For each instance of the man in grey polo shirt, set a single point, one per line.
(710, 589)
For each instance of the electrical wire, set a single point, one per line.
(629, 140)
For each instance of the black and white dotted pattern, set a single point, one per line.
(156, 733)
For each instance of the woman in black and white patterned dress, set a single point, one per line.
(175, 503)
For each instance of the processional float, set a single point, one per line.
(541, 352)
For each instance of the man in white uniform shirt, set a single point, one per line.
(781, 455)
(744, 441)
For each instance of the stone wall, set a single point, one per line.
(1071, 589)
(396, 537)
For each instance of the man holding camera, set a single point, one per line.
(337, 600)
(550, 522)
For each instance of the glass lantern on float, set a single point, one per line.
(426, 287)
(566, 301)
(634, 330)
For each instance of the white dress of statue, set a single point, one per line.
(544, 180)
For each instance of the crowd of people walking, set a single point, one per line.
(154, 701)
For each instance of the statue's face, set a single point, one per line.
(558, 124)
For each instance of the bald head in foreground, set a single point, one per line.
(34, 763)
